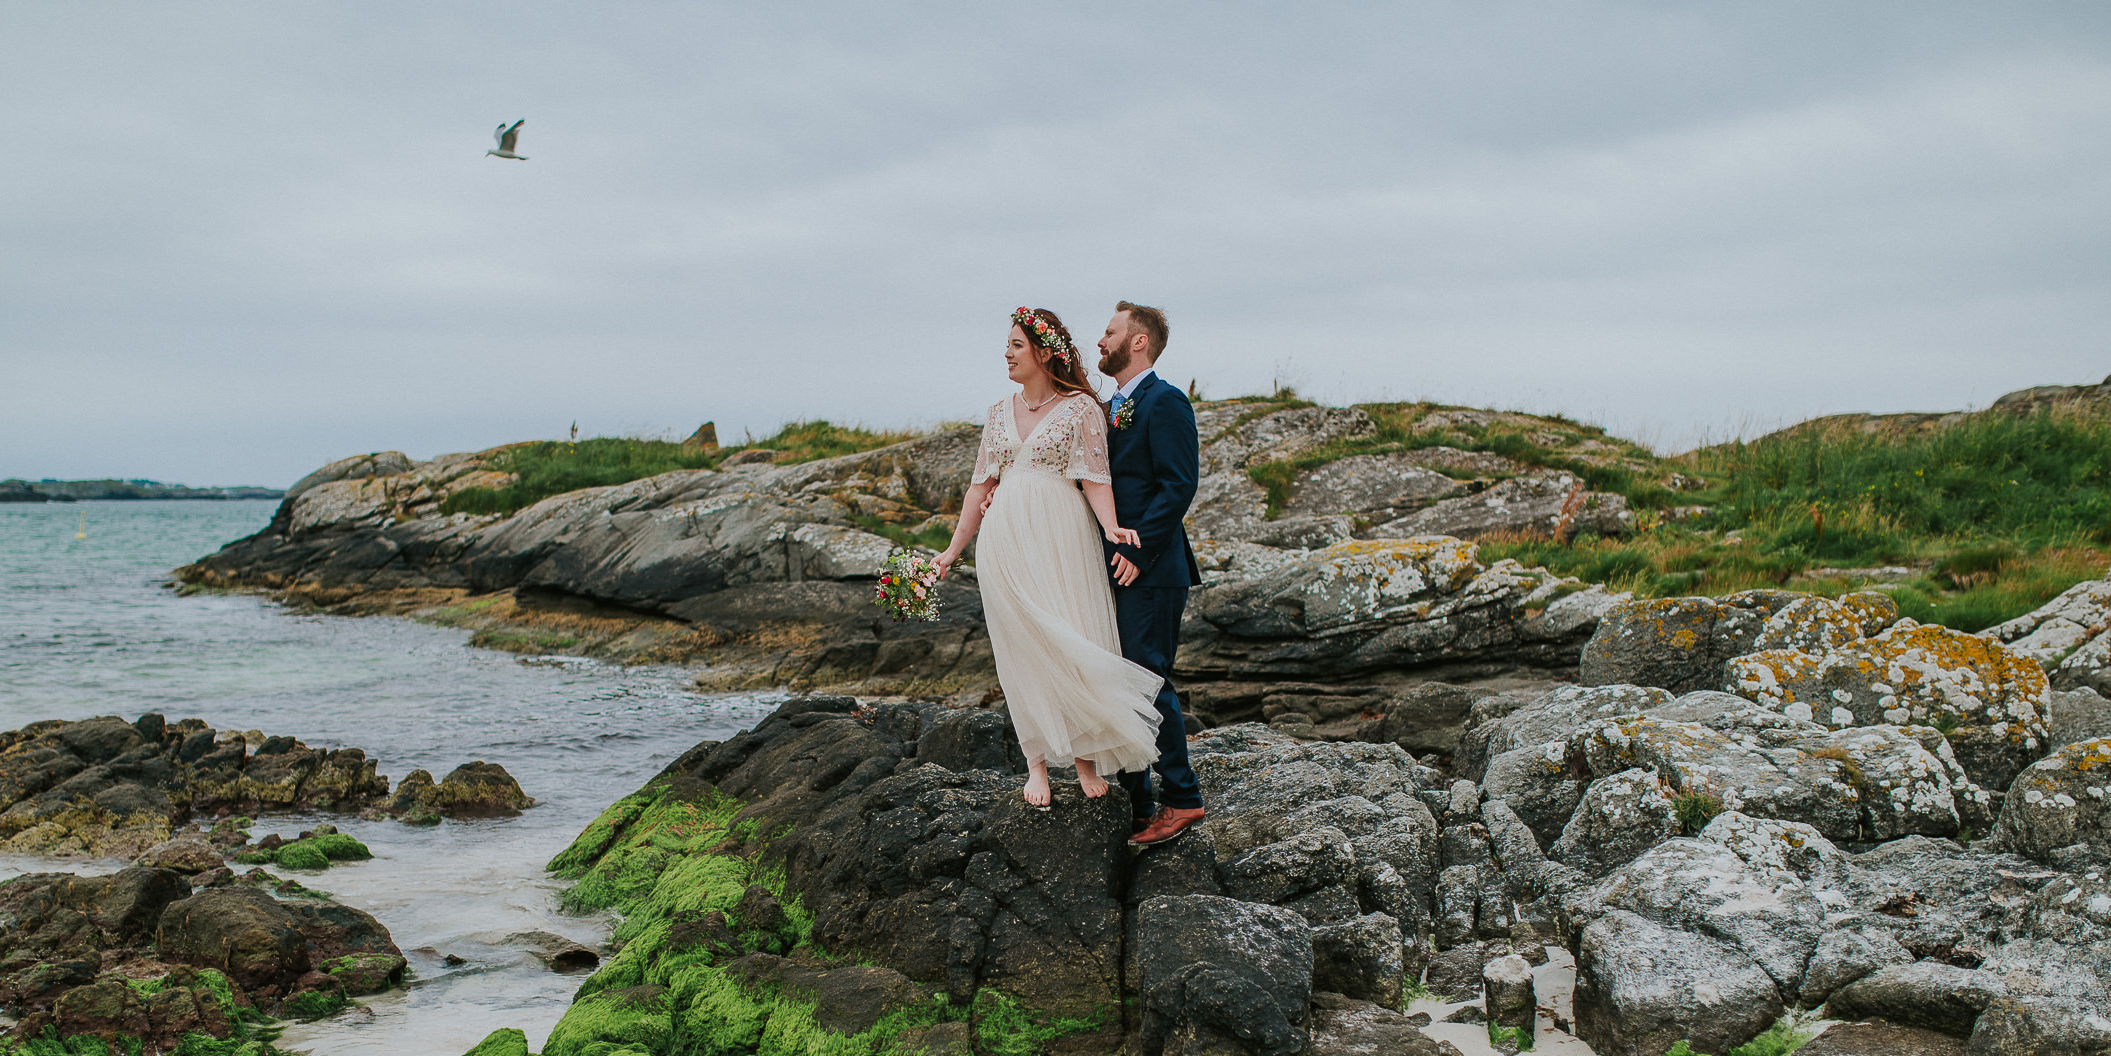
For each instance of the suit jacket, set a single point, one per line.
(1156, 462)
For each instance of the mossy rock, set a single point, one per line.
(606, 1022)
(321, 1002)
(314, 852)
(507, 1041)
(367, 973)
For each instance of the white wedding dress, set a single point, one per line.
(1047, 599)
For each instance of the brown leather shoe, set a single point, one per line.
(1166, 824)
(1143, 821)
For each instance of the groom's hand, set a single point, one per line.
(1125, 572)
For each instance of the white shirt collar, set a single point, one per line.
(1129, 390)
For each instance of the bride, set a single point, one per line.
(1043, 572)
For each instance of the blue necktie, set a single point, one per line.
(1116, 406)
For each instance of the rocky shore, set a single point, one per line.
(1364, 571)
(1755, 805)
(184, 950)
(14, 490)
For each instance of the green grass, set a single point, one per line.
(1995, 513)
(1784, 1037)
(1695, 810)
(1522, 1037)
(549, 468)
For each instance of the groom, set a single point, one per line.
(1156, 460)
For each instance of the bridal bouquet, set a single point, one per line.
(908, 587)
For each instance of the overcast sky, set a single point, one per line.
(239, 241)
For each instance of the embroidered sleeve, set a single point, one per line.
(1088, 451)
(989, 462)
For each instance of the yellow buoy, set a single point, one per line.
(83, 533)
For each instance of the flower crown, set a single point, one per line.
(1050, 337)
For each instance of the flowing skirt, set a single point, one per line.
(1050, 609)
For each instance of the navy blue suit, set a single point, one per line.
(1156, 462)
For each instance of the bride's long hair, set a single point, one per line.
(1066, 371)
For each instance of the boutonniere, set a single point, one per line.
(1125, 414)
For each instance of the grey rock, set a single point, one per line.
(1679, 644)
(1881, 1039)
(1455, 974)
(1330, 904)
(2060, 626)
(2078, 715)
(2056, 969)
(2061, 800)
(1741, 891)
(1359, 958)
(1572, 616)
(1277, 872)
(1426, 717)
(1620, 817)
(1641, 987)
(1990, 700)
(1537, 784)
(1846, 955)
(1457, 905)
(1363, 607)
(1343, 1026)
(967, 739)
(1221, 975)
(1545, 503)
(1377, 487)
(1508, 996)
(1876, 782)
(1250, 792)
(1928, 994)
(1554, 716)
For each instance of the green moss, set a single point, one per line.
(1004, 1028)
(315, 852)
(302, 855)
(668, 830)
(338, 847)
(601, 1023)
(507, 1041)
(601, 834)
(1523, 1038)
(316, 1004)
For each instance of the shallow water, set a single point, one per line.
(88, 628)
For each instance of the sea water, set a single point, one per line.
(91, 627)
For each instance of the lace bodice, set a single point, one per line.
(1071, 441)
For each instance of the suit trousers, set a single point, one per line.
(1149, 621)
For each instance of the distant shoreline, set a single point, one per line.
(123, 490)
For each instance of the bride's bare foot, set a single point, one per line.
(1088, 779)
(1037, 794)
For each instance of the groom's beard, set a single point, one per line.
(1112, 363)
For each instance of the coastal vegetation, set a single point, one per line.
(1966, 522)
(553, 467)
(713, 949)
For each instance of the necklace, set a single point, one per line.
(1034, 407)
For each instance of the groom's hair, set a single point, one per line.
(1149, 320)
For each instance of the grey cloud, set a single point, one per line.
(239, 241)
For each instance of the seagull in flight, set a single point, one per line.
(507, 138)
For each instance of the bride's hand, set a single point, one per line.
(1124, 536)
(944, 562)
